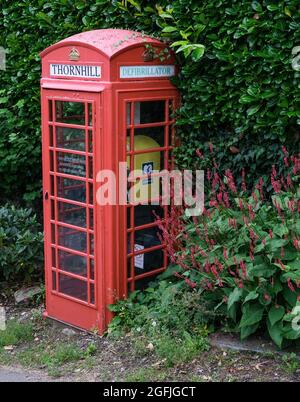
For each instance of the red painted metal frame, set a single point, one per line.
(170, 96)
(108, 97)
(60, 305)
(166, 149)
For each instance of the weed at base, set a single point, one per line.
(16, 333)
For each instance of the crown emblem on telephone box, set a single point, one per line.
(74, 54)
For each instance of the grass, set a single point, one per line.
(16, 333)
(55, 359)
(146, 375)
(290, 363)
(173, 350)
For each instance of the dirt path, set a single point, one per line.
(8, 374)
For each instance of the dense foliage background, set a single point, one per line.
(242, 95)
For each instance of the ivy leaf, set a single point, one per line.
(252, 110)
(198, 53)
(272, 7)
(166, 15)
(246, 99)
(256, 6)
(287, 11)
(169, 29)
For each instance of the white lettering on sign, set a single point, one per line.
(75, 70)
(146, 71)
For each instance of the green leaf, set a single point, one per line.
(179, 43)
(276, 314)
(289, 296)
(234, 297)
(165, 15)
(251, 296)
(246, 99)
(248, 330)
(276, 332)
(292, 334)
(197, 53)
(272, 7)
(252, 110)
(256, 6)
(287, 11)
(169, 29)
(252, 314)
(261, 270)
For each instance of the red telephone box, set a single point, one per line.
(106, 98)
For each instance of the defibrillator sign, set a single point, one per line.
(146, 71)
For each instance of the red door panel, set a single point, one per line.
(69, 135)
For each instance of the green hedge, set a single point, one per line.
(21, 245)
(242, 95)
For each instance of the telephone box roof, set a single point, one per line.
(107, 41)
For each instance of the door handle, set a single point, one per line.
(46, 195)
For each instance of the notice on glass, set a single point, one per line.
(139, 259)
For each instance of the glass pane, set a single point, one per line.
(51, 161)
(73, 287)
(71, 164)
(91, 244)
(143, 283)
(129, 260)
(90, 167)
(53, 252)
(52, 233)
(70, 138)
(72, 239)
(91, 218)
(91, 193)
(90, 109)
(148, 261)
(147, 238)
(52, 210)
(71, 189)
(52, 185)
(75, 264)
(50, 110)
(90, 145)
(149, 137)
(92, 290)
(92, 267)
(128, 113)
(72, 214)
(149, 112)
(144, 214)
(70, 112)
(51, 136)
(53, 280)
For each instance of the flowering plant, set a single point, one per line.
(245, 249)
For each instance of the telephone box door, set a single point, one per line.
(71, 123)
